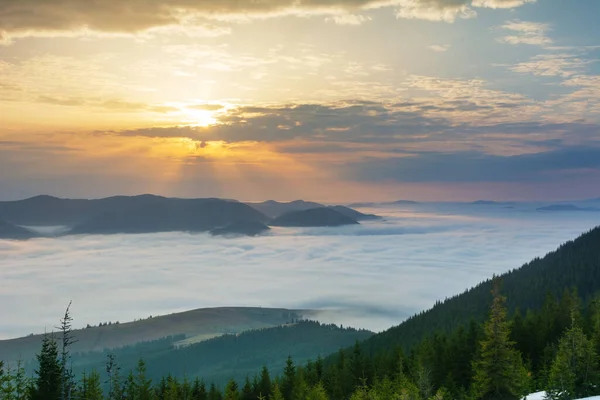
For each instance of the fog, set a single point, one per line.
(372, 276)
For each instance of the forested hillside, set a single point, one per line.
(228, 356)
(574, 264)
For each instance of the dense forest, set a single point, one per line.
(535, 328)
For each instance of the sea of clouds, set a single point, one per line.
(373, 275)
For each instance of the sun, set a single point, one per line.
(200, 117)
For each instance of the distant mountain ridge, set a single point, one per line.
(323, 216)
(566, 207)
(170, 215)
(149, 214)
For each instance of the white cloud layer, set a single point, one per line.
(383, 271)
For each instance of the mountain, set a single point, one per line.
(230, 356)
(10, 231)
(574, 264)
(189, 327)
(566, 207)
(247, 228)
(357, 215)
(169, 215)
(52, 211)
(274, 209)
(323, 216)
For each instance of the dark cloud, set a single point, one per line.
(370, 123)
(476, 167)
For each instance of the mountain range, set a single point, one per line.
(150, 214)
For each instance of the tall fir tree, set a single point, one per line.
(48, 376)
(574, 372)
(499, 373)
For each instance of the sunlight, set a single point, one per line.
(199, 117)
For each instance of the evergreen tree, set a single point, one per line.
(142, 385)
(89, 387)
(264, 384)
(289, 377)
(213, 393)
(68, 379)
(574, 372)
(231, 391)
(276, 393)
(499, 373)
(317, 392)
(49, 376)
(247, 392)
(199, 390)
(113, 370)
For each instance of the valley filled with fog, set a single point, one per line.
(372, 275)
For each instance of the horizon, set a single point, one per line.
(347, 202)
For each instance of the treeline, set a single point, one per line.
(553, 349)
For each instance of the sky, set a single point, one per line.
(327, 100)
(372, 275)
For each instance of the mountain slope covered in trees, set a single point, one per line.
(574, 264)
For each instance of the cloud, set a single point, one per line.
(525, 32)
(349, 19)
(67, 18)
(440, 48)
(325, 268)
(562, 64)
(478, 167)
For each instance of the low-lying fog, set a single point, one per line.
(379, 272)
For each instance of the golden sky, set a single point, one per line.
(318, 99)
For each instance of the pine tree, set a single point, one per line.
(289, 377)
(89, 387)
(276, 393)
(317, 393)
(199, 390)
(48, 377)
(574, 372)
(264, 385)
(7, 387)
(247, 393)
(231, 391)
(499, 371)
(68, 379)
(142, 385)
(113, 370)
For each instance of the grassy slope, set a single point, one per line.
(204, 323)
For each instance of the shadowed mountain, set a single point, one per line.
(323, 216)
(274, 209)
(566, 207)
(10, 231)
(49, 211)
(241, 228)
(170, 215)
(357, 215)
